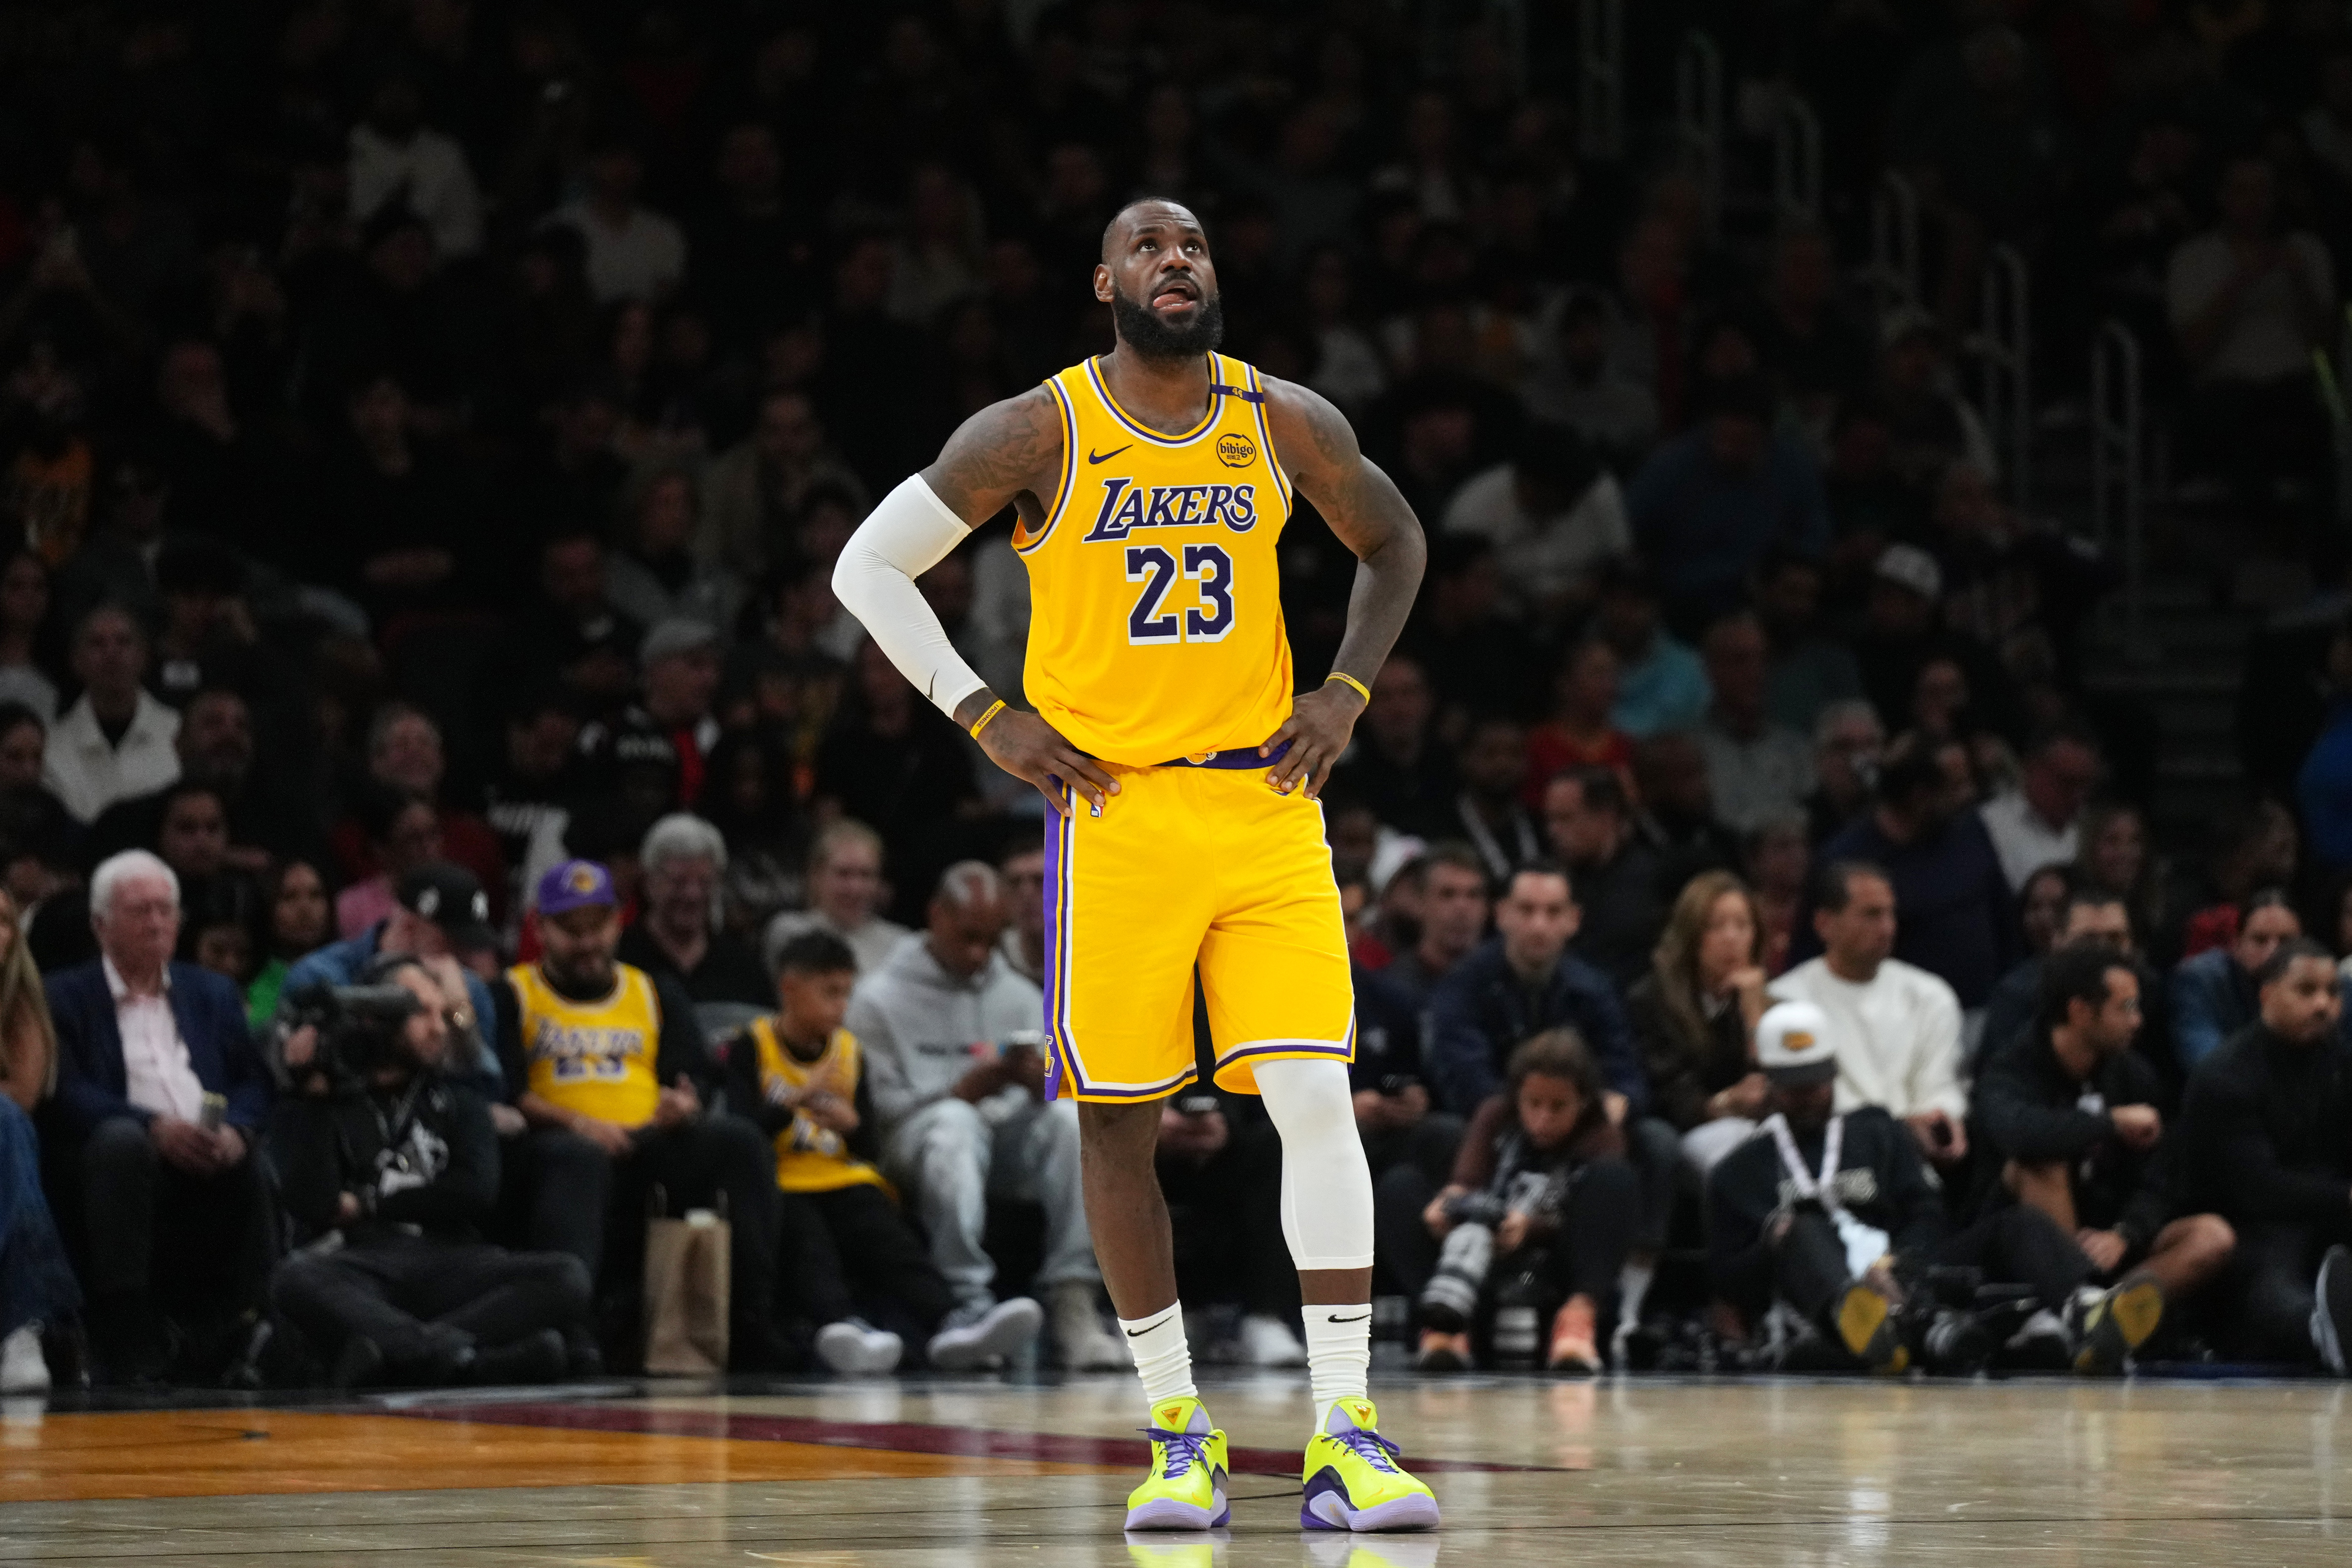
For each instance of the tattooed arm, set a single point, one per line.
(1364, 508)
(1008, 454)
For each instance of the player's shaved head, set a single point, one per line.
(1145, 209)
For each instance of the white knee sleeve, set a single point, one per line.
(1326, 1187)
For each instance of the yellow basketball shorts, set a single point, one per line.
(1191, 865)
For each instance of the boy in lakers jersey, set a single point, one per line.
(1151, 486)
(799, 1075)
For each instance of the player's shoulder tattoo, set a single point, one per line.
(1003, 449)
(1304, 421)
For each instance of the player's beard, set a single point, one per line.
(1143, 329)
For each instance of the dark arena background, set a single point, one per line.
(1887, 478)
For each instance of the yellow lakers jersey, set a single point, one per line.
(596, 1057)
(1156, 612)
(810, 1158)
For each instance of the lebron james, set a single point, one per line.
(1185, 837)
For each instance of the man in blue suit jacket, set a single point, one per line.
(160, 1099)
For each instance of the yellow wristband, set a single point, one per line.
(1360, 688)
(981, 722)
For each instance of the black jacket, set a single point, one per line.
(1481, 1013)
(1626, 899)
(1390, 1031)
(2267, 1130)
(1881, 1181)
(424, 1156)
(1684, 1073)
(2027, 1108)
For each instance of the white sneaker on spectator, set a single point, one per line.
(1081, 1341)
(1268, 1342)
(987, 1339)
(857, 1350)
(22, 1368)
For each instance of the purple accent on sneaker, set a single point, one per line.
(1168, 1514)
(1325, 1507)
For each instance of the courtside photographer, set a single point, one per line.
(389, 1167)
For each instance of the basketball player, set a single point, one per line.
(1151, 486)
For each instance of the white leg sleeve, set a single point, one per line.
(907, 534)
(1327, 1185)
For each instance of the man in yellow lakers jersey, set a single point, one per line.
(610, 1070)
(1151, 486)
(800, 1075)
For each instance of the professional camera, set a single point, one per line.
(358, 1026)
(1476, 1208)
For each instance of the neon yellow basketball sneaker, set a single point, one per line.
(1353, 1480)
(1186, 1487)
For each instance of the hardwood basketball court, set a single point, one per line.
(1649, 1471)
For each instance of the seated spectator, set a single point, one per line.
(1520, 981)
(1219, 1161)
(1620, 881)
(959, 1080)
(2214, 994)
(1902, 633)
(403, 832)
(296, 920)
(1024, 944)
(2039, 823)
(1931, 424)
(160, 1097)
(1756, 768)
(1582, 385)
(1479, 660)
(1397, 767)
(1694, 1013)
(1661, 686)
(2115, 855)
(2087, 917)
(659, 742)
(800, 1076)
(2252, 847)
(1806, 670)
(36, 1284)
(572, 636)
(115, 742)
(2071, 1112)
(1834, 1215)
(1450, 908)
(1958, 923)
(1677, 808)
(749, 800)
(1848, 741)
(845, 895)
(675, 938)
(608, 1066)
(1580, 733)
(400, 1165)
(634, 252)
(1711, 504)
(654, 576)
(1553, 515)
(2041, 904)
(439, 912)
(1897, 1026)
(405, 754)
(2249, 300)
(1541, 1193)
(893, 758)
(2262, 1145)
(1487, 812)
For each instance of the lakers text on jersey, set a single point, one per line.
(596, 1057)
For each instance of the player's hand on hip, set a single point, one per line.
(1318, 730)
(1027, 747)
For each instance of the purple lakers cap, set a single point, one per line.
(575, 885)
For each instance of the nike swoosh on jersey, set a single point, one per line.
(1094, 457)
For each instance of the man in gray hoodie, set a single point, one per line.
(950, 1033)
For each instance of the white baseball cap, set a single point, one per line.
(1793, 1044)
(1912, 567)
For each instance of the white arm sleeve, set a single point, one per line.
(910, 532)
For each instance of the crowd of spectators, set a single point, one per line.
(426, 431)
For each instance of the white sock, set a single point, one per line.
(1162, 1357)
(1339, 1355)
